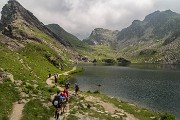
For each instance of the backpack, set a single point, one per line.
(77, 86)
(56, 101)
(67, 85)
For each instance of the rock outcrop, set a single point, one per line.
(17, 22)
(101, 36)
(5, 75)
(123, 61)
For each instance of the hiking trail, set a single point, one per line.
(17, 111)
(50, 82)
(110, 107)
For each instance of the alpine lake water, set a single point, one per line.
(152, 86)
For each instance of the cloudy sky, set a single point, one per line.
(82, 16)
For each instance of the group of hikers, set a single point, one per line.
(61, 99)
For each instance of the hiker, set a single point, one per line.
(57, 102)
(67, 84)
(76, 88)
(67, 94)
(55, 78)
(64, 96)
(49, 75)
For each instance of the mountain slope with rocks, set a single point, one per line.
(101, 36)
(153, 40)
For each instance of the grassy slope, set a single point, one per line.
(73, 40)
(131, 53)
(26, 64)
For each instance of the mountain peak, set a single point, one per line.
(18, 23)
(13, 11)
(160, 14)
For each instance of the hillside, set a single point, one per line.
(65, 36)
(29, 51)
(153, 40)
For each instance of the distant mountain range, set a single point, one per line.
(158, 32)
(159, 25)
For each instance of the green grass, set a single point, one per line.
(34, 56)
(34, 110)
(8, 95)
(71, 117)
(10, 62)
(73, 40)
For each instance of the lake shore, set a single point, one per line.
(129, 107)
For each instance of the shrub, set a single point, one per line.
(167, 116)
(96, 92)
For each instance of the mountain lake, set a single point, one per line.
(152, 86)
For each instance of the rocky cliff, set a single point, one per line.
(101, 36)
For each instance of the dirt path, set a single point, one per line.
(17, 111)
(49, 81)
(110, 107)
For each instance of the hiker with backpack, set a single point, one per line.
(55, 78)
(64, 95)
(66, 91)
(76, 88)
(58, 103)
(67, 84)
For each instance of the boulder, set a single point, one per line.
(6, 75)
(108, 61)
(18, 82)
(123, 61)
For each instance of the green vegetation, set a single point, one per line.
(8, 95)
(69, 38)
(35, 56)
(34, 110)
(11, 62)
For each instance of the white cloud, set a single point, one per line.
(81, 16)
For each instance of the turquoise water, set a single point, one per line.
(152, 86)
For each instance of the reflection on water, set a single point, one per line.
(156, 66)
(153, 86)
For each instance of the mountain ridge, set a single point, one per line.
(157, 32)
(65, 36)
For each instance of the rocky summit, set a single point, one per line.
(101, 36)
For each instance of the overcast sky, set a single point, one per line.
(82, 16)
